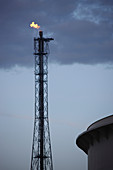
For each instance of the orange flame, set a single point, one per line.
(34, 25)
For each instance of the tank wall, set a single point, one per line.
(100, 154)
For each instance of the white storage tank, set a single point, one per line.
(97, 143)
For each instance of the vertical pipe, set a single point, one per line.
(41, 99)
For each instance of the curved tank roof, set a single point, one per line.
(86, 139)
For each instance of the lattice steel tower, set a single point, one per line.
(41, 149)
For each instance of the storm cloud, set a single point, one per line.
(83, 31)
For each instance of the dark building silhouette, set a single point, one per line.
(97, 143)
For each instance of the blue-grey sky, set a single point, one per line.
(80, 76)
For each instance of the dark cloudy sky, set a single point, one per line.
(83, 30)
(80, 75)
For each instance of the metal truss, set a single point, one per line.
(41, 149)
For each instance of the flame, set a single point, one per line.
(34, 25)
